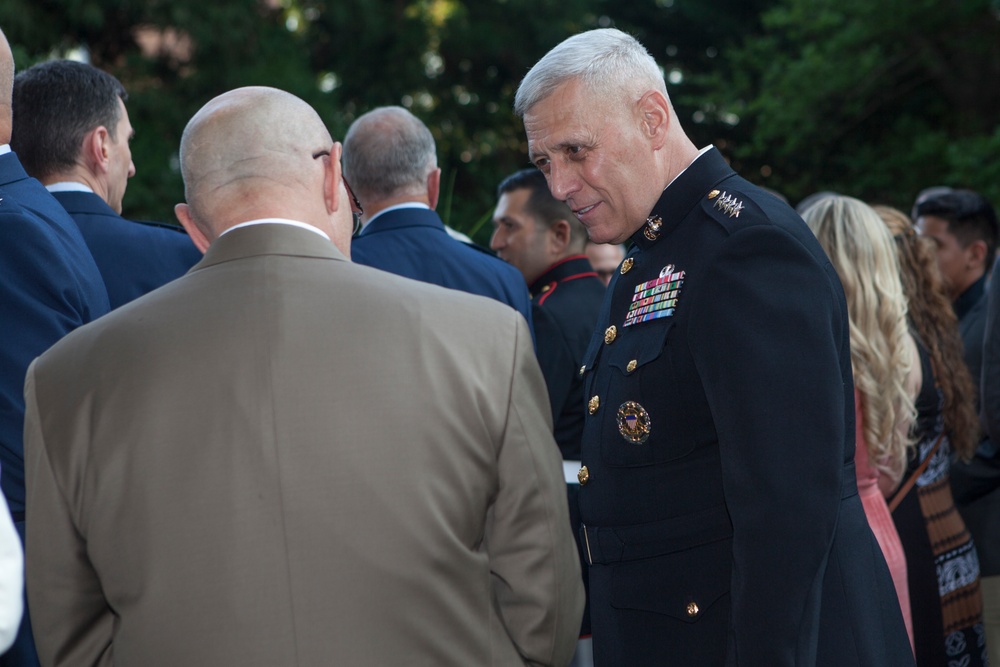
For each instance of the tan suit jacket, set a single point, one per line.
(283, 458)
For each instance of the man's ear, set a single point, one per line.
(654, 116)
(96, 150)
(332, 176)
(433, 187)
(977, 253)
(183, 213)
(559, 235)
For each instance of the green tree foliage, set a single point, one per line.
(872, 99)
(875, 99)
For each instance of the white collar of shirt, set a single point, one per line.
(4, 148)
(700, 153)
(408, 204)
(277, 221)
(68, 186)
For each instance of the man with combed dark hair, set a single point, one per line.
(542, 238)
(73, 134)
(318, 465)
(722, 519)
(390, 161)
(49, 285)
(963, 226)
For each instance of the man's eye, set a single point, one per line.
(573, 150)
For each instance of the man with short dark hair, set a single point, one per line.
(49, 285)
(541, 237)
(73, 132)
(963, 226)
(390, 161)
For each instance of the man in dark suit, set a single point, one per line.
(391, 163)
(541, 237)
(723, 523)
(963, 226)
(73, 134)
(49, 285)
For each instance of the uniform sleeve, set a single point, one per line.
(40, 302)
(71, 620)
(533, 559)
(767, 336)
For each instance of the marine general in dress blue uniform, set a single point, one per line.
(390, 161)
(73, 133)
(722, 520)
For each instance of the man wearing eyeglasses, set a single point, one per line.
(317, 466)
(391, 162)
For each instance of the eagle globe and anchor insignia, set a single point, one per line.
(633, 422)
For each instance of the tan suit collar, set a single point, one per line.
(266, 239)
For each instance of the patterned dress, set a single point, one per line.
(942, 564)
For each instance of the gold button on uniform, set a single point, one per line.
(593, 404)
(631, 365)
(583, 475)
(627, 265)
(583, 369)
(610, 334)
(692, 609)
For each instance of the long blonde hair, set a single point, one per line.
(861, 249)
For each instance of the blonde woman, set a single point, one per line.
(884, 360)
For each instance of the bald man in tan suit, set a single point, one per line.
(283, 458)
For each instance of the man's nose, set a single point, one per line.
(562, 182)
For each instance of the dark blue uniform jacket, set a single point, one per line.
(412, 242)
(49, 285)
(722, 514)
(134, 257)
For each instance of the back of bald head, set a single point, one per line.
(388, 152)
(247, 147)
(6, 89)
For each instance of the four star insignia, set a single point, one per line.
(728, 204)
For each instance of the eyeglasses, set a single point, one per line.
(356, 209)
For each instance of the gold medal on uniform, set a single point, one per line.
(633, 422)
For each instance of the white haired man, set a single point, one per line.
(718, 493)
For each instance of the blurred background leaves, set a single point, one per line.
(875, 100)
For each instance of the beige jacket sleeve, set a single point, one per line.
(70, 619)
(533, 557)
